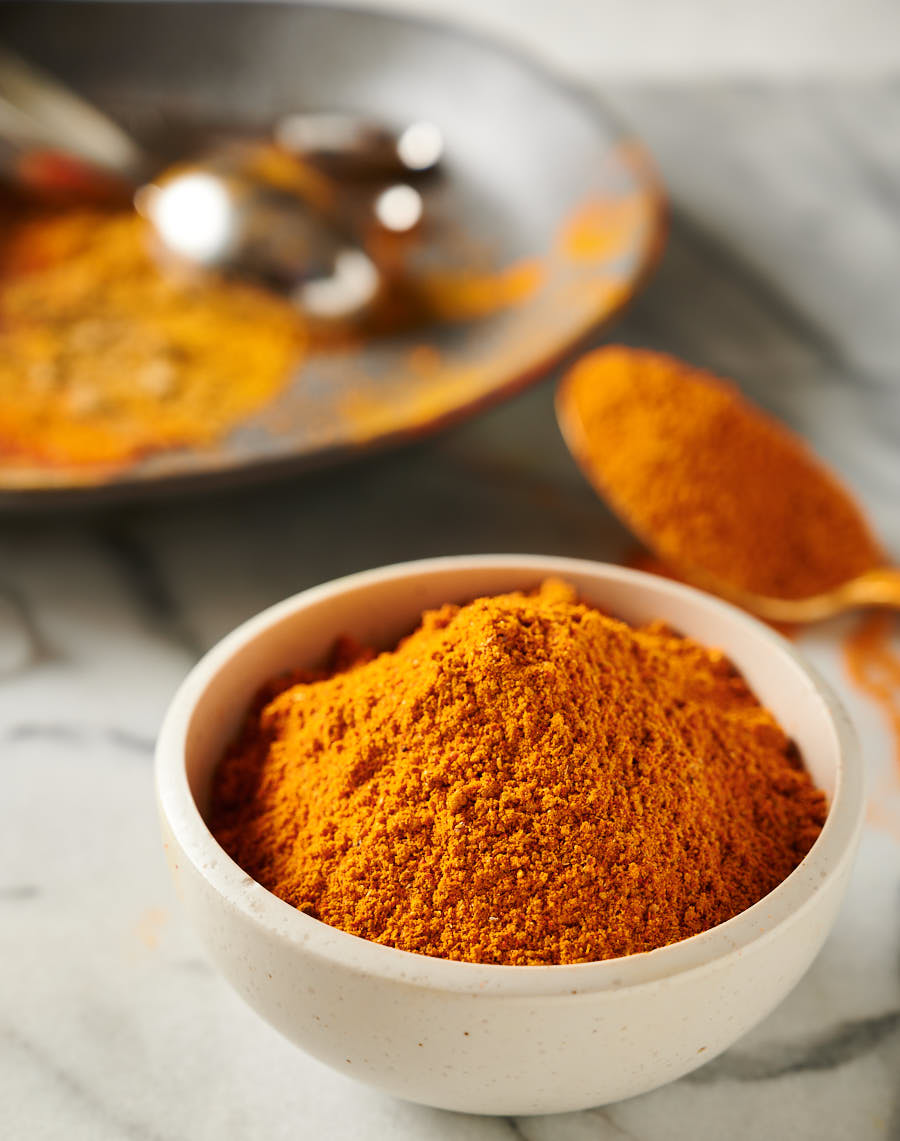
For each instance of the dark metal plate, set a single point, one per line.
(535, 170)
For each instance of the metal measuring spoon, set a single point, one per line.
(217, 213)
(291, 233)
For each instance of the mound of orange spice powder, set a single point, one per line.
(524, 780)
(713, 483)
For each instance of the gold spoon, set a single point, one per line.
(875, 586)
(878, 587)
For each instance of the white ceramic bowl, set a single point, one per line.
(494, 1039)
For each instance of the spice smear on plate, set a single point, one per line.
(523, 780)
(104, 358)
(712, 483)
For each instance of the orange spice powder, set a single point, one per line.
(523, 780)
(104, 358)
(873, 664)
(711, 482)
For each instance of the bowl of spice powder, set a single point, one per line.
(509, 834)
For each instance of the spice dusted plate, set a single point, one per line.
(494, 1038)
(548, 218)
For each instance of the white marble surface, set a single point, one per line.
(686, 39)
(784, 269)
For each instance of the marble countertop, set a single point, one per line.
(783, 269)
(685, 39)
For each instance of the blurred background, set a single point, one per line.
(770, 131)
(609, 40)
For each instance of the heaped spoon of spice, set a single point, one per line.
(261, 211)
(722, 492)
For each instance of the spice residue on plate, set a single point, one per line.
(97, 373)
(710, 482)
(104, 358)
(523, 780)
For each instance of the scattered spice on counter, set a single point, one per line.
(872, 660)
(523, 780)
(714, 483)
(104, 358)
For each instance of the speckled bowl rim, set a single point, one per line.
(714, 949)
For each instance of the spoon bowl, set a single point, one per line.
(670, 463)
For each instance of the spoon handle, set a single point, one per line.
(876, 588)
(40, 117)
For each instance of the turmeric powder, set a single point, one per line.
(104, 358)
(872, 661)
(714, 485)
(523, 780)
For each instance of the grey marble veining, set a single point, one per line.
(783, 269)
